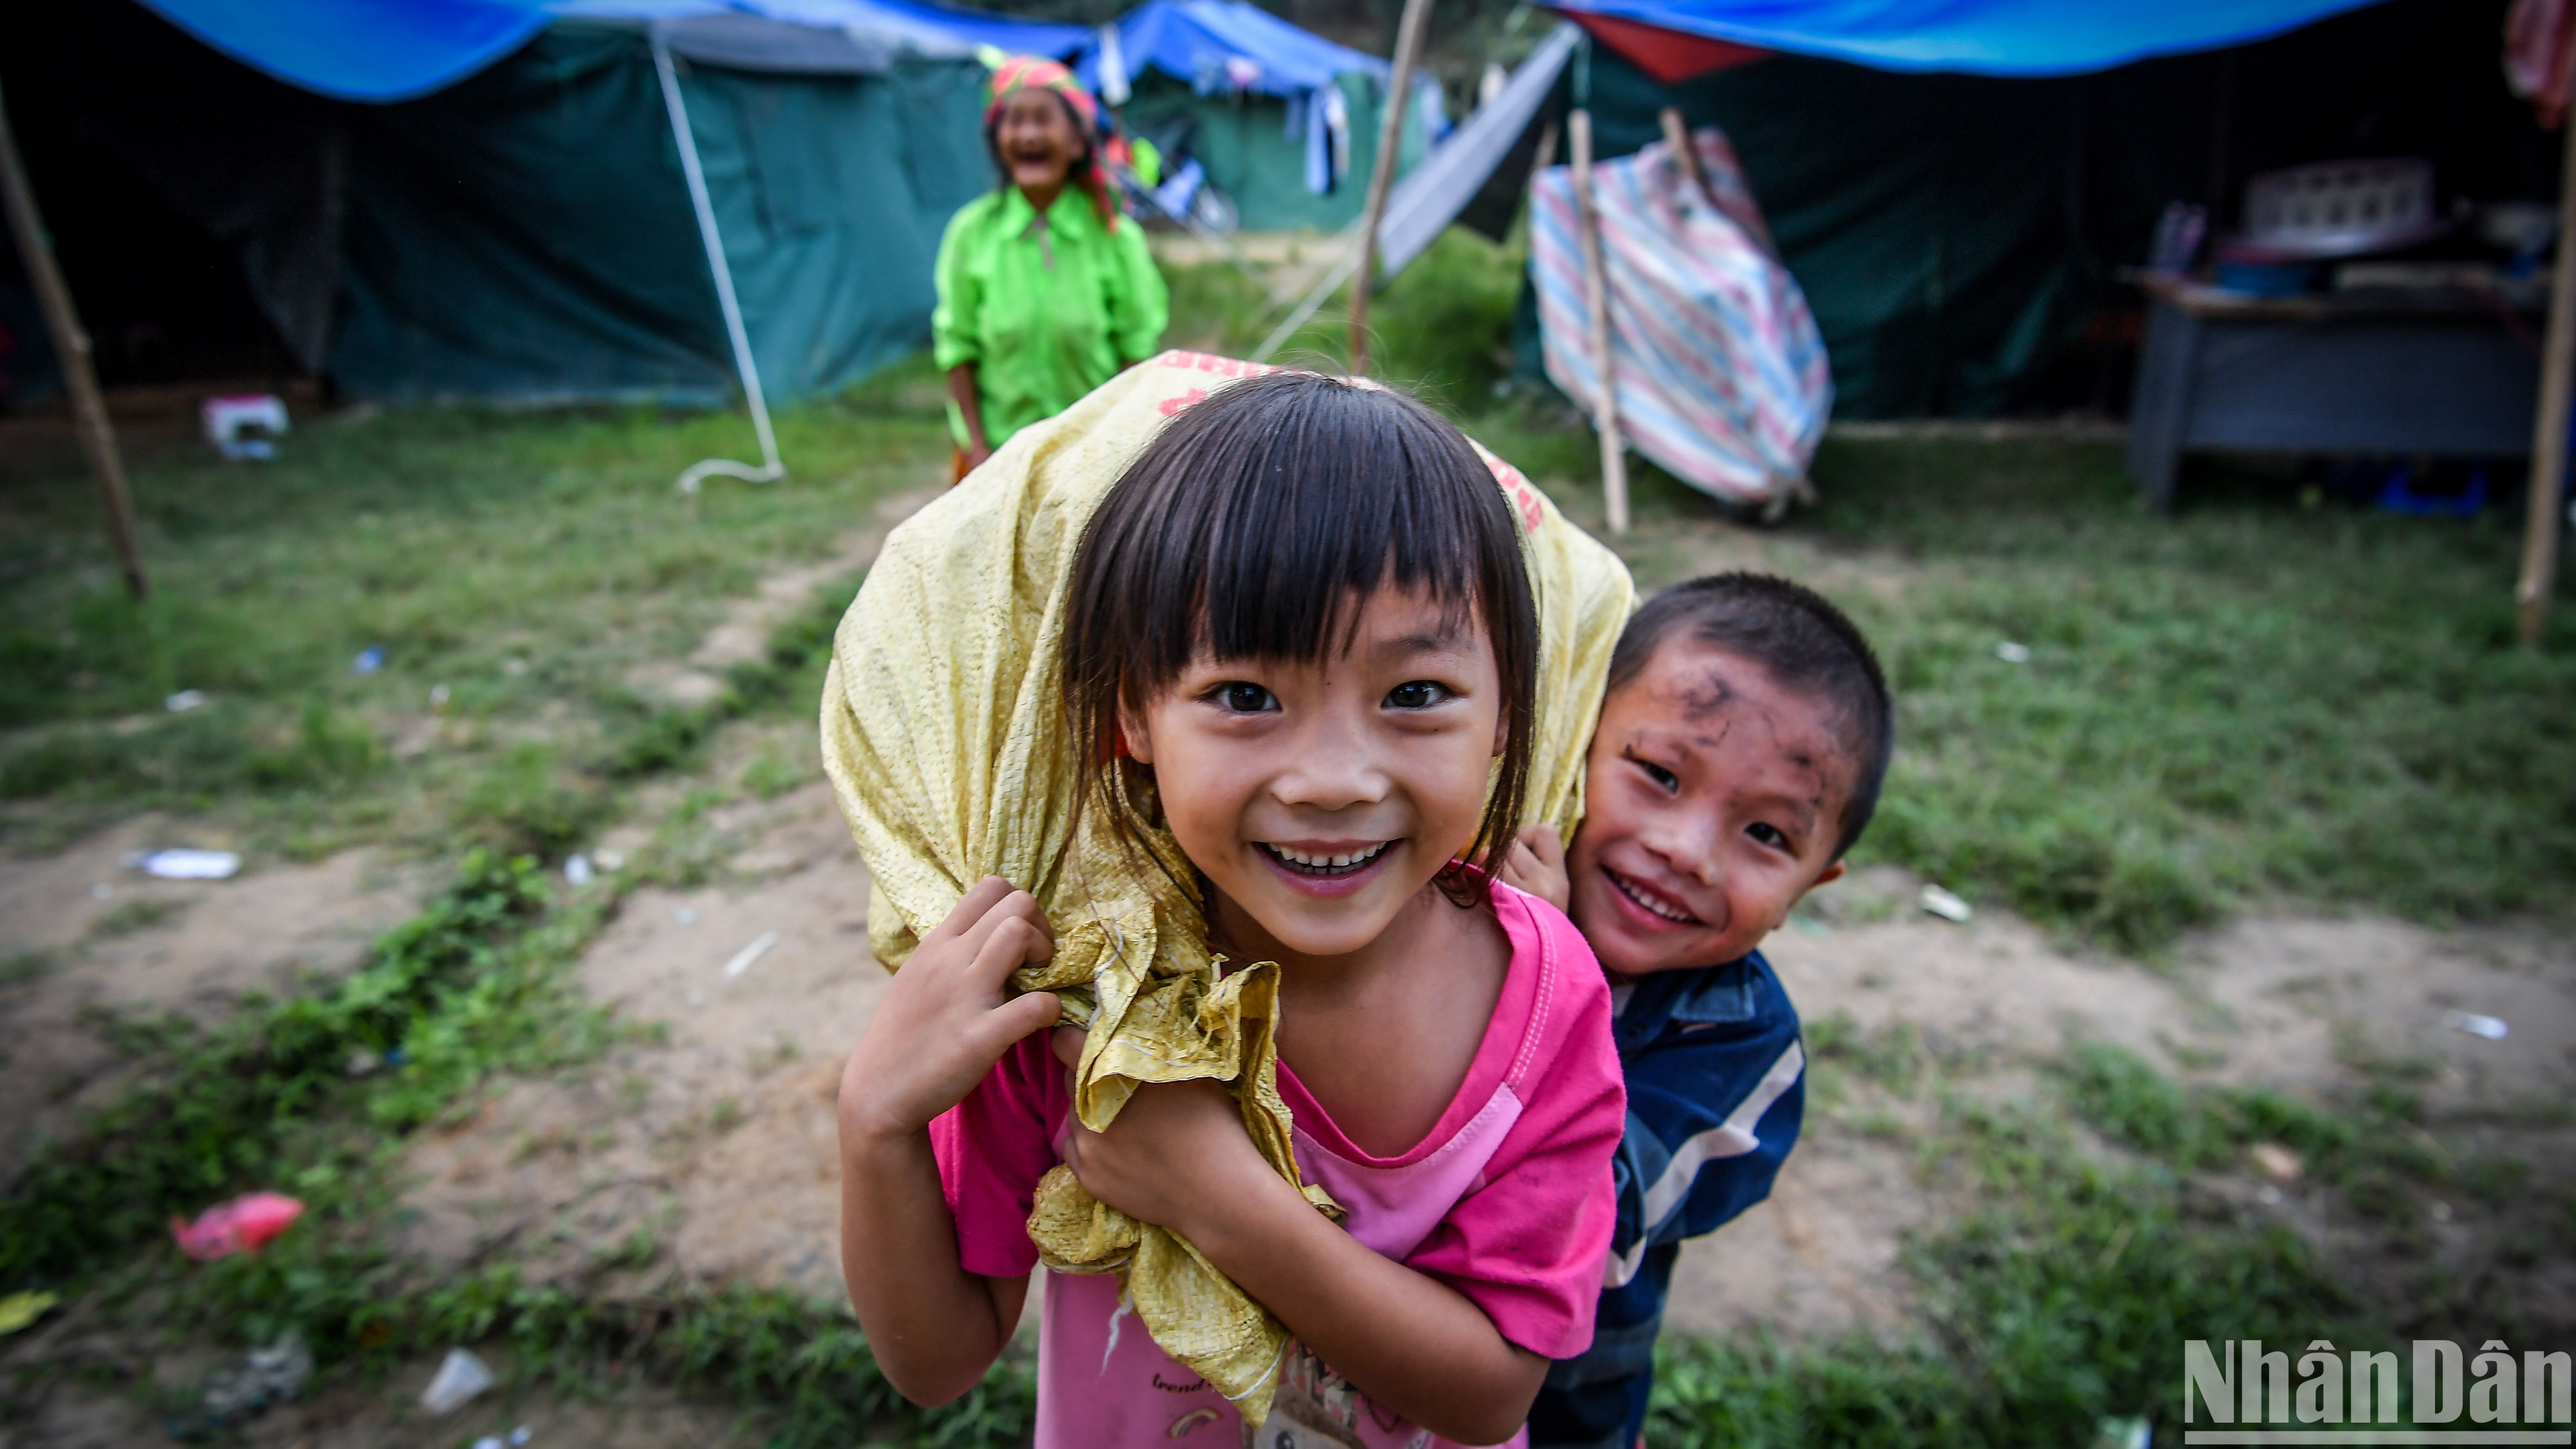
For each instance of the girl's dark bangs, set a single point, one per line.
(1344, 497)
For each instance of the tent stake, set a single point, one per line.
(1390, 142)
(770, 469)
(72, 348)
(2549, 441)
(1596, 298)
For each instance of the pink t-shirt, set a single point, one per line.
(1507, 1199)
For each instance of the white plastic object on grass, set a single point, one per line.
(2490, 1027)
(743, 958)
(188, 864)
(184, 701)
(577, 870)
(1944, 904)
(520, 1436)
(2012, 653)
(228, 419)
(460, 1378)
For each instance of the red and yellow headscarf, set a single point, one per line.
(1017, 73)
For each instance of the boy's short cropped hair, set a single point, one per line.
(1803, 641)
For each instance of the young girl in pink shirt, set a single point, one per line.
(1299, 636)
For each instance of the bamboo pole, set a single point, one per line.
(72, 349)
(2549, 438)
(1596, 299)
(1390, 142)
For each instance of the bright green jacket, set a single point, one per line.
(1047, 309)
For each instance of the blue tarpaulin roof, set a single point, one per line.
(360, 50)
(1984, 37)
(392, 50)
(1228, 45)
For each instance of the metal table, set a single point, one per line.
(2428, 373)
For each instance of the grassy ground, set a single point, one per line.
(2252, 700)
(516, 571)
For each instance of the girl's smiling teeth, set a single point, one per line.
(1327, 863)
(1648, 899)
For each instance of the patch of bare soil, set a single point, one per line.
(84, 933)
(708, 1145)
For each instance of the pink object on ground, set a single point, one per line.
(1508, 1200)
(244, 1225)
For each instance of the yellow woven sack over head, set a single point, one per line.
(944, 736)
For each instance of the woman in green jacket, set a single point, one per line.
(1045, 291)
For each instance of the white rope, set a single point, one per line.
(771, 468)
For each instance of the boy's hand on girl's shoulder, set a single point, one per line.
(946, 1018)
(1536, 864)
(1177, 1151)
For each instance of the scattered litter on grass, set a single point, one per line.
(489, 1441)
(2490, 1027)
(21, 1309)
(2276, 1161)
(244, 1225)
(520, 1436)
(184, 701)
(184, 864)
(686, 915)
(369, 660)
(743, 958)
(2012, 653)
(610, 860)
(438, 696)
(364, 1062)
(461, 1376)
(1945, 905)
(265, 1377)
(577, 870)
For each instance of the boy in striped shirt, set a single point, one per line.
(1742, 742)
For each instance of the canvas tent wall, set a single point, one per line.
(523, 232)
(1248, 91)
(1959, 235)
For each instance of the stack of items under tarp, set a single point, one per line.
(1721, 373)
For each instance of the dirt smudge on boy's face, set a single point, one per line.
(1713, 698)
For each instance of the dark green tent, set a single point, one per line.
(1243, 140)
(524, 234)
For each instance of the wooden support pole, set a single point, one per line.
(72, 350)
(1596, 299)
(1678, 137)
(2549, 440)
(1390, 145)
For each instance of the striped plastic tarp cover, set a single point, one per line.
(1721, 373)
